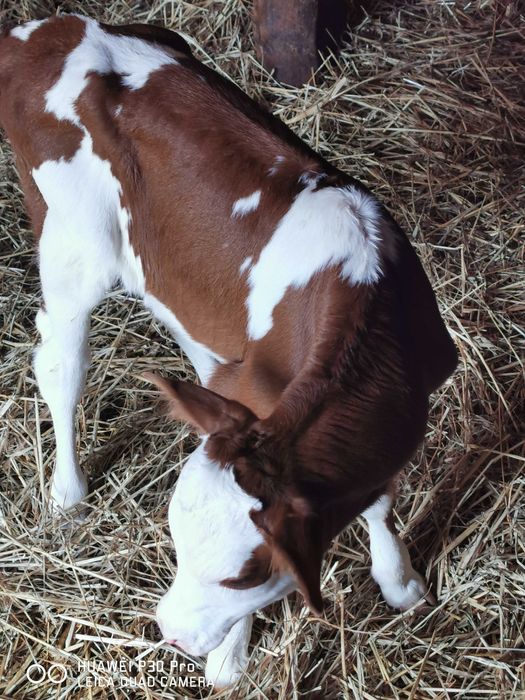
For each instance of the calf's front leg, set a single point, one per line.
(401, 586)
(226, 664)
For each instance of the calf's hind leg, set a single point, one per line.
(71, 286)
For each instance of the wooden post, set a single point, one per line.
(285, 32)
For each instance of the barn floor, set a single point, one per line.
(424, 106)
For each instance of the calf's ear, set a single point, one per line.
(209, 413)
(295, 537)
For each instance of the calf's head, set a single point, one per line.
(244, 534)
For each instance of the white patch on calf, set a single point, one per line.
(245, 205)
(85, 194)
(209, 502)
(25, 30)
(83, 198)
(133, 59)
(322, 228)
(131, 271)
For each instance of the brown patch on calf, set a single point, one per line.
(28, 69)
(254, 572)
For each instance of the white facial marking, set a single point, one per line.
(245, 205)
(25, 30)
(214, 536)
(401, 586)
(321, 229)
(118, 110)
(207, 498)
(202, 358)
(99, 52)
(245, 264)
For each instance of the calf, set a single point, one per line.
(299, 301)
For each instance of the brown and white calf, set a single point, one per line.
(301, 304)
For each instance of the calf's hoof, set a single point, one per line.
(225, 670)
(68, 494)
(408, 592)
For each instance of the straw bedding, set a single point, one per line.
(425, 105)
